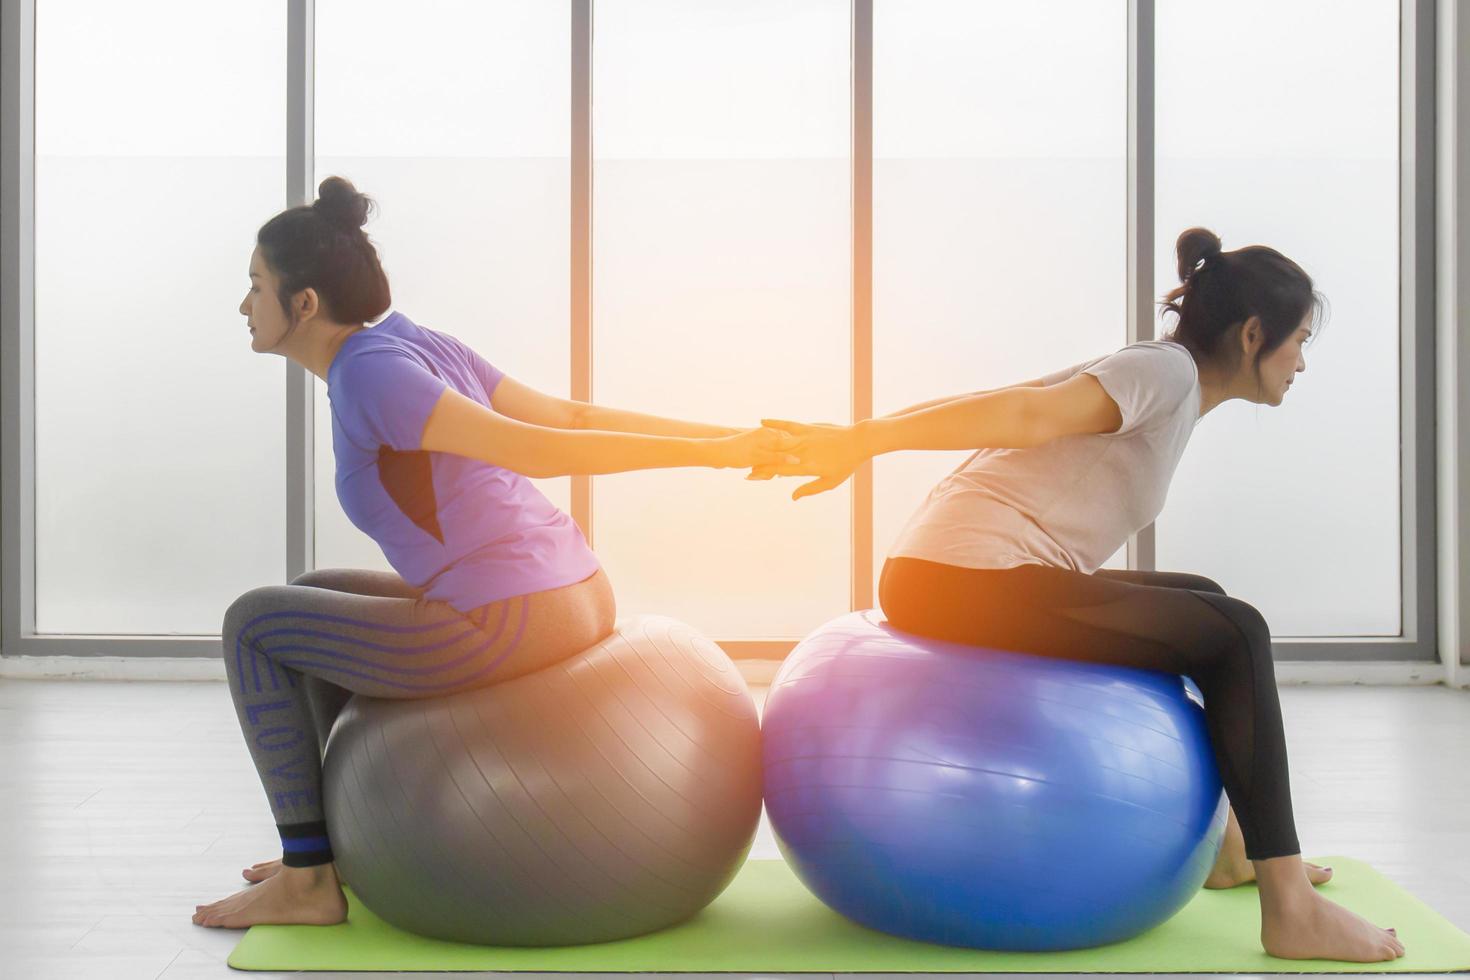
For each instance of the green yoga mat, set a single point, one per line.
(767, 922)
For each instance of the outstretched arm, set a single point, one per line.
(946, 399)
(524, 403)
(1012, 418)
(620, 420)
(465, 427)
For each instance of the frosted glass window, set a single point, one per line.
(1288, 137)
(999, 196)
(721, 293)
(160, 436)
(460, 130)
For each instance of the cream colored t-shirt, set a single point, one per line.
(1071, 502)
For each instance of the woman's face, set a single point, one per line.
(263, 313)
(1280, 367)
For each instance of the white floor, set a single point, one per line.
(123, 805)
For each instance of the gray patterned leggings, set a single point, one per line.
(295, 653)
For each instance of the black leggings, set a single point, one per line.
(1183, 624)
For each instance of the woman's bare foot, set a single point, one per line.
(1299, 924)
(1228, 875)
(1233, 868)
(261, 870)
(293, 896)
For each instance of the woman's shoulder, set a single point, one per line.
(1169, 347)
(398, 328)
(394, 332)
(394, 338)
(1165, 355)
(1188, 368)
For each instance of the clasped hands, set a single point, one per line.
(780, 448)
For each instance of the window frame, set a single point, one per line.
(1419, 279)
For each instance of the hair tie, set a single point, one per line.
(1204, 261)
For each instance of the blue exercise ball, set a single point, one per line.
(984, 798)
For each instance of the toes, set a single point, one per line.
(221, 907)
(214, 919)
(1316, 874)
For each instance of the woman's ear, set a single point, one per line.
(1252, 335)
(307, 303)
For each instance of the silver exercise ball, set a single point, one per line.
(609, 795)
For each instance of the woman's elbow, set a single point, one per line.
(536, 469)
(1031, 425)
(545, 455)
(576, 415)
(1044, 414)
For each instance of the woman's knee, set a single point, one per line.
(315, 576)
(327, 578)
(1249, 631)
(1200, 583)
(248, 608)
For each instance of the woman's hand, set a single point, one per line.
(758, 447)
(830, 452)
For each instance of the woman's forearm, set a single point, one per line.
(607, 419)
(573, 452)
(945, 400)
(991, 419)
(465, 427)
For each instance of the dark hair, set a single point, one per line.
(1220, 290)
(322, 246)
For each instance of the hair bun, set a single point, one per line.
(339, 202)
(1194, 246)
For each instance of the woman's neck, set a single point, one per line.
(317, 344)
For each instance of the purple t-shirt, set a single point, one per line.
(465, 531)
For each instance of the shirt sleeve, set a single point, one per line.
(1057, 377)
(488, 373)
(1148, 383)
(386, 396)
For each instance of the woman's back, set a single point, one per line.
(466, 531)
(1073, 501)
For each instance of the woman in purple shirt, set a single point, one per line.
(433, 449)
